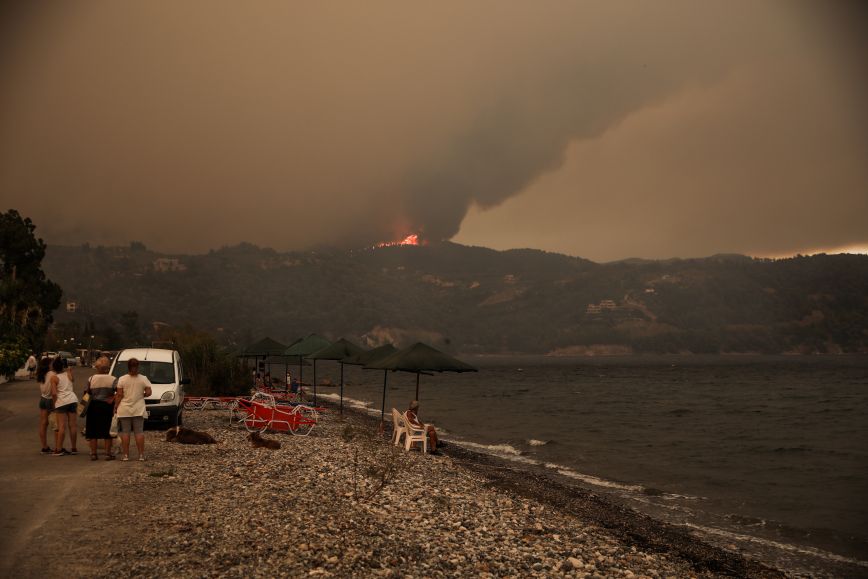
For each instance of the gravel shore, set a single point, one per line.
(343, 502)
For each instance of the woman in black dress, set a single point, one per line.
(100, 409)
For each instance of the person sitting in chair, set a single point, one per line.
(413, 418)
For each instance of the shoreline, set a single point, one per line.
(641, 530)
(707, 548)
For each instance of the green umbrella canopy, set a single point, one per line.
(307, 346)
(281, 360)
(337, 351)
(264, 347)
(420, 358)
(364, 358)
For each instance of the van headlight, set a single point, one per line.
(167, 396)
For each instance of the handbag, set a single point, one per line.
(113, 429)
(84, 405)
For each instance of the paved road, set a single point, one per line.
(33, 487)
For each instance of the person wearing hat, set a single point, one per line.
(413, 417)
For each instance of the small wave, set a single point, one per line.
(593, 480)
(504, 451)
(535, 442)
(495, 448)
(778, 545)
(671, 507)
(745, 521)
(351, 402)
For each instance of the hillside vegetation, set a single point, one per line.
(475, 300)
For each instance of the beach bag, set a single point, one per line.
(83, 405)
(113, 429)
(52, 421)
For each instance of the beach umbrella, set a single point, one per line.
(420, 359)
(303, 348)
(263, 349)
(337, 351)
(369, 357)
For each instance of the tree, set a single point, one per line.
(27, 298)
(132, 331)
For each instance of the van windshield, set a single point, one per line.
(156, 372)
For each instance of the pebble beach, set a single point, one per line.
(342, 502)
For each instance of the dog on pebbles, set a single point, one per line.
(186, 436)
(258, 442)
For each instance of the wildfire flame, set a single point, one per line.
(412, 239)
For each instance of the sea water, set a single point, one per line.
(765, 454)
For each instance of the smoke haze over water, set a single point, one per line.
(594, 128)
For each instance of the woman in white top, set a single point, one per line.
(46, 404)
(65, 407)
(130, 408)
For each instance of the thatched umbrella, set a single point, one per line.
(337, 351)
(369, 357)
(419, 359)
(302, 349)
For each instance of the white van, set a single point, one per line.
(166, 373)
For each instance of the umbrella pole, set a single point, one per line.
(417, 386)
(383, 407)
(301, 378)
(342, 387)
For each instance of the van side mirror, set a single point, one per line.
(185, 381)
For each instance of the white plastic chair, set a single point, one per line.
(399, 426)
(415, 434)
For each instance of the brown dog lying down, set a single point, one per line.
(187, 436)
(259, 442)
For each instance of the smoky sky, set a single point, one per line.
(601, 129)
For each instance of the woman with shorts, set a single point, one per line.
(130, 408)
(65, 407)
(44, 376)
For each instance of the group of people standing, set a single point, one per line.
(109, 398)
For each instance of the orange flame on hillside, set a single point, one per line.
(412, 239)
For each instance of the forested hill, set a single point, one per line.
(471, 299)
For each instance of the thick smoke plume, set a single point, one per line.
(196, 124)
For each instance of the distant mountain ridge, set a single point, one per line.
(479, 300)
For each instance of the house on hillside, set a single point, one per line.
(164, 264)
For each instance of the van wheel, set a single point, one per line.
(175, 419)
(180, 417)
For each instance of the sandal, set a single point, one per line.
(110, 457)
(125, 458)
(73, 451)
(94, 457)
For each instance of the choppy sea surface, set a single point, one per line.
(765, 454)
